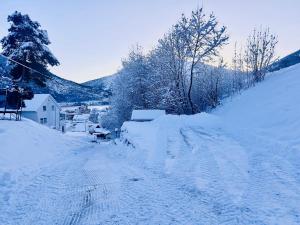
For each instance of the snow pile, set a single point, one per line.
(26, 147)
(247, 152)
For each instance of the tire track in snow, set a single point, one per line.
(212, 181)
(274, 181)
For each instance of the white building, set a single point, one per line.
(43, 109)
(146, 115)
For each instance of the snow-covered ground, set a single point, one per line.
(237, 165)
(244, 158)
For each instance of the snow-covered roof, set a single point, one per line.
(102, 131)
(36, 102)
(147, 114)
(81, 117)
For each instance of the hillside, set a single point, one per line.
(286, 61)
(103, 83)
(68, 91)
(64, 90)
(244, 157)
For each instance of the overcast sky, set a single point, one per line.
(90, 37)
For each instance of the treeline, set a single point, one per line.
(184, 73)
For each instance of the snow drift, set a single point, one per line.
(26, 147)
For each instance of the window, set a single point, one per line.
(44, 108)
(43, 120)
(53, 108)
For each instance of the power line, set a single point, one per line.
(12, 60)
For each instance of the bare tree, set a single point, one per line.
(202, 38)
(260, 52)
(238, 78)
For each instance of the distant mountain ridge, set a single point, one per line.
(67, 91)
(103, 83)
(61, 89)
(286, 61)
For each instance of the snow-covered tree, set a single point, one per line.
(27, 43)
(173, 76)
(238, 75)
(130, 89)
(168, 64)
(94, 116)
(202, 38)
(260, 52)
(3, 67)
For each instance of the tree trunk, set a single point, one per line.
(190, 90)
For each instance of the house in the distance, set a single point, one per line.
(43, 109)
(146, 115)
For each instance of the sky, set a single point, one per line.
(90, 37)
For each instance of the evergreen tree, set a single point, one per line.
(27, 43)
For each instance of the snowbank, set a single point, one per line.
(25, 148)
(28, 144)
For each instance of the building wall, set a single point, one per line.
(52, 115)
(31, 115)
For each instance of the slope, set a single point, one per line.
(103, 83)
(68, 91)
(63, 90)
(286, 61)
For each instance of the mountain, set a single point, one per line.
(64, 90)
(67, 91)
(287, 61)
(61, 89)
(103, 84)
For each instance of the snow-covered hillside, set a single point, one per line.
(244, 158)
(67, 91)
(61, 89)
(286, 61)
(103, 83)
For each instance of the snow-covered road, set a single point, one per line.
(94, 187)
(105, 184)
(98, 184)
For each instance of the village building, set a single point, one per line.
(146, 115)
(43, 109)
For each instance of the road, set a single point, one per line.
(96, 184)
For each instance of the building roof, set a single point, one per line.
(81, 117)
(36, 102)
(147, 114)
(101, 131)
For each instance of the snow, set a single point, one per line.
(237, 165)
(25, 148)
(81, 117)
(36, 102)
(146, 114)
(101, 130)
(247, 152)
